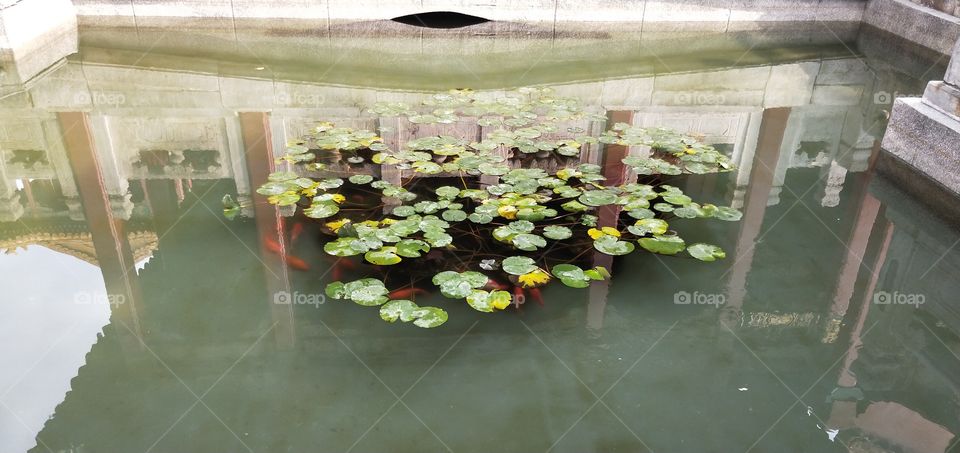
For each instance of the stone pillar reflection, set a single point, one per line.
(258, 151)
(108, 231)
(762, 175)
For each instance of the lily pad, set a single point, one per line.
(401, 309)
(360, 179)
(518, 265)
(610, 245)
(557, 232)
(706, 252)
(386, 256)
(664, 245)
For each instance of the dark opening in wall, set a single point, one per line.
(440, 19)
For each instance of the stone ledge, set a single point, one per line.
(926, 139)
(925, 26)
(944, 97)
(34, 35)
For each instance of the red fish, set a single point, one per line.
(491, 283)
(336, 273)
(406, 293)
(295, 231)
(296, 263)
(272, 245)
(535, 293)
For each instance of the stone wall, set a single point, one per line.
(946, 6)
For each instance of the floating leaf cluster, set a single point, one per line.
(480, 216)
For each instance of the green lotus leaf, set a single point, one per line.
(528, 242)
(556, 232)
(429, 317)
(500, 189)
(641, 214)
(728, 214)
(330, 183)
(518, 265)
(480, 300)
(664, 207)
(366, 291)
(588, 220)
(598, 198)
(401, 309)
(475, 194)
(427, 207)
(679, 200)
(568, 271)
(412, 248)
(480, 218)
(428, 168)
(360, 179)
(706, 252)
(447, 192)
(493, 169)
(574, 206)
(342, 247)
(454, 215)
(274, 188)
(335, 290)
(438, 238)
(664, 245)
(285, 199)
(321, 210)
(690, 211)
(610, 245)
(521, 226)
(458, 285)
(280, 176)
(386, 256)
(404, 211)
(644, 227)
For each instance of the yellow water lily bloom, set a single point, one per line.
(337, 198)
(535, 278)
(500, 299)
(605, 231)
(337, 224)
(507, 212)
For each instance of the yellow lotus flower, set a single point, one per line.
(508, 212)
(605, 231)
(535, 278)
(500, 299)
(337, 198)
(337, 224)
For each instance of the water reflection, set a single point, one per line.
(122, 166)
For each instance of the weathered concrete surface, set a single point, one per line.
(34, 35)
(552, 15)
(925, 26)
(953, 71)
(926, 139)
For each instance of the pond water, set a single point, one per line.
(136, 317)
